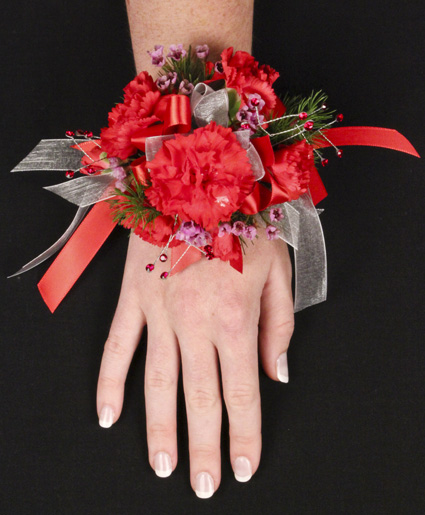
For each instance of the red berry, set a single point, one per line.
(339, 117)
(325, 162)
(69, 174)
(308, 125)
(69, 134)
(303, 115)
(339, 153)
(163, 258)
(164, 275)
(150, 267)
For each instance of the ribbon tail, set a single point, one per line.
(56, 246)
(310, 257)
(182, 256)
(367, 136)
(76, 255)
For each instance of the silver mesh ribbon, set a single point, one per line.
(87, 190)
(52, 154)
(208, 105)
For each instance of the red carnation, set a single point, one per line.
(292, 168)
(243, 73)
(140, 98)
(226, 247)
(203, 177)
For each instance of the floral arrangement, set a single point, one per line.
(197, 187)
(195, 161)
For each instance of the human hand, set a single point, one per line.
(206, 316)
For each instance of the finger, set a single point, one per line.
(161, 378)
(239, 369)
(124, 336)
(203, 406)
(277, 318)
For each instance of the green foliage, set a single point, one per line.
(291, 128)
(130, 204)
(189, 67)
(234, 103)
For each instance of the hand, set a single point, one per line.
(205, 316)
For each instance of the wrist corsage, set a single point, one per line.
(195, 162)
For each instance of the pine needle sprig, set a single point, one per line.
(189, 67)
(291, 129)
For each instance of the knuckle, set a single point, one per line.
(285, 329)
(160, 431)
(186, 306)
(109, 382)
(158, 379)
(232, 312)
(203, 452)
(115, 347)
(242, 440)
(242, 397)
(202, 400)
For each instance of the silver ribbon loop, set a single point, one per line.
(208, 105)
(81, 213)
(87, 190)
(52, 154)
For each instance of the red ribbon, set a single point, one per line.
(175, 112)
(98, 224)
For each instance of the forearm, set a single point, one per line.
(217, 23)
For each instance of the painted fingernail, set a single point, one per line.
(282, 368)
(106, 418)
(162, 464)
(204, 485)
(242, 469)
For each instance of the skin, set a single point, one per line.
(208, 316)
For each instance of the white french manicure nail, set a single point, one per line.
(242, 469)
(282, 368)
(106, 418)
(162, 464)
(204, 485)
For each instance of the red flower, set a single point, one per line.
(158, 231)
(140, 98)
(243, 73)
(226, 247)
(292, 168)
(203, 177)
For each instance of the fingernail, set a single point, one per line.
(242, 469)
(106, 418)
(282, 368)
(204, 485)
(162, 464)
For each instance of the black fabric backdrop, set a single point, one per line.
(346, 434)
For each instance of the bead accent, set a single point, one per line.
(325, 162)
(88, 134)
(339, 117)
(340, 153)
(150, 267)
(69, 134)
(163, 258)
(303, 115)
(69, 174)
(164, 275)
(80, 132)
(309, 125)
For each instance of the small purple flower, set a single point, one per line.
(186, 87)
(250, 232)
(202, 51)
(157, 55)
(238, 228)
(255, 101)
(272, 232)
(218, 67)
(276, 214)
(176, 52)
(119, 173)
(172, 76)
(113, 161)
(224, 229)
(121, 186)
(243, 114)
(163, 83)
(192, 233)
(255, 119)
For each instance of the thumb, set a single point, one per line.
(277, 318)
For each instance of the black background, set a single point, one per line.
(346, 434)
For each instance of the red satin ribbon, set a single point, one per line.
(98, 224)
(76, 255)
(175, 112)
